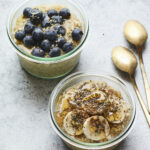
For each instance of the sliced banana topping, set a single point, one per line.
(73, 122)
(102, 97)
(64, 104)
(88, 86)
(92, 111)
(119, 115)
(99, 95)
(116, 117)
(96, 128)
(65, 101)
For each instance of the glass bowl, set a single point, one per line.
(48, 67)
(72, 79)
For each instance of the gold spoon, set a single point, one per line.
(136, 34)
(127, 62)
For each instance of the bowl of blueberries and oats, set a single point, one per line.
(48, 36)
(92, 111)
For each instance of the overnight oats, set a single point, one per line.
(92, 112)
(48, 37)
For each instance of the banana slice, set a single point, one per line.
(118, 116)
(73, 122)
(102, 97)
(64, 104)
(65, 101)
(99, 95)
(87, 86)
(96, 128)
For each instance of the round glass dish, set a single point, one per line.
(48, 67)
(75, 78)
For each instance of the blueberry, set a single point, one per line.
(28, 28)
(28, 41)
(65, 13)
(51, 35)
(36, 16)
(38, 52)
(45, 45)
(56, 19)
(54, 52)
(19, 35)
(77, 34)
(61, 41)
(67, 47)
(37, 35)
(27, 12)
(52, 12)
(61, 30)
(45, 23)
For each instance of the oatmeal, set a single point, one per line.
(47, 31)
(92, 111)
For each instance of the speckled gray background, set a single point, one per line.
(24, 120)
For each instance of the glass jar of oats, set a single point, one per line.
(51, 59)
(92, 111)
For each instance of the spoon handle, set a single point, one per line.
(140, 99)
(146, 85)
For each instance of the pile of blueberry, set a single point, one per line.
(49, 41)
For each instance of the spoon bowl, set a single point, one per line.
(135, 32)
(124, 59)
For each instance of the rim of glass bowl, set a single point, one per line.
(62, 134)
(54, 59)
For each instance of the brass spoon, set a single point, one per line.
(127, 62)
(136, 34)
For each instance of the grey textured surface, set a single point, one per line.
(24, 120)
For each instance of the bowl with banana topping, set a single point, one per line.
(92, 111)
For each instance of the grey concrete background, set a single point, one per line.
(24, 120)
